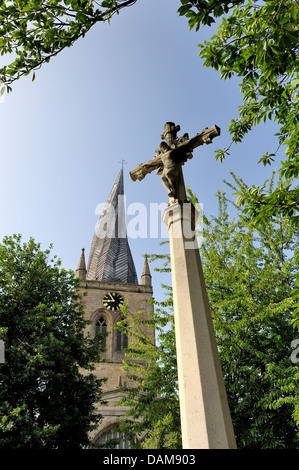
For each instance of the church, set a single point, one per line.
(110, 280)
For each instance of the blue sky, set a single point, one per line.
(107, 99)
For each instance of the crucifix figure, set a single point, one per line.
(173, 153)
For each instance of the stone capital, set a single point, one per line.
(180, 218)
(177, 211)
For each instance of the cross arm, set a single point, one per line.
(204, 137)
(144, 168)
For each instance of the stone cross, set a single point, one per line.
(205, 415)
(173, 153)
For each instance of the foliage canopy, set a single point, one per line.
(47, 389)
(35, 31)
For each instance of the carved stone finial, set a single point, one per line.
(146, 277)
(170, 132)
(81, 269)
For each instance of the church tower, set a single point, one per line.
(110, 280)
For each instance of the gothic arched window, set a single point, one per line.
(101, 327)
(113, 440)
(121, 340)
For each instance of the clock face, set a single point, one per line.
(112, 301)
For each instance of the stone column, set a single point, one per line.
(205, 416)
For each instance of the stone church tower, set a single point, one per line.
(111, 280)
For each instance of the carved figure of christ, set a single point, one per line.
(173, 153)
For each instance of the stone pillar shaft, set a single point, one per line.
(205, 416)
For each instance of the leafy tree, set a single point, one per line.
(47, 389)
(249, 273)
(36, 31)
(258, 42)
